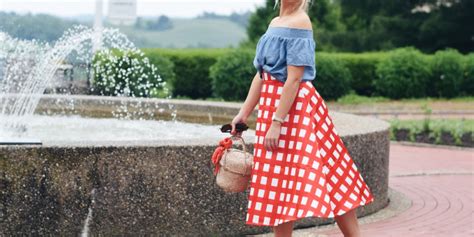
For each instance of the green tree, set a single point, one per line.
(368, 25)
(429, 25)
(40, 27)
(259, 21)
(162, 23)
(447, 27)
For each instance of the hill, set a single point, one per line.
(189, 33)
(207, 31)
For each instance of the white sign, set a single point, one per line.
(122, 12)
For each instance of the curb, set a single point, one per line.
(419, 144)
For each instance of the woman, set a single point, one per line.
(301, 166)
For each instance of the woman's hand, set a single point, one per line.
(272, 135)
(251, 101)
(239, 118)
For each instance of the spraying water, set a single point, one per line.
(27, 68)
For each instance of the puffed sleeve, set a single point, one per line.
(300, 52)
(257, 61)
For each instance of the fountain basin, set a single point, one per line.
(166, 187)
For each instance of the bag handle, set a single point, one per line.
(235, 137)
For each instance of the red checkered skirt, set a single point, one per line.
(311, 173)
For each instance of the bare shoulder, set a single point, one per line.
(299, 20)
(275, 19)
(302, 21)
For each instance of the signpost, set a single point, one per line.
(122, 12)
(97, 40)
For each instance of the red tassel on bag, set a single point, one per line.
(224, 144)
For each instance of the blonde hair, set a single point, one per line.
(304, 5)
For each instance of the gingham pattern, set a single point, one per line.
(311, 173)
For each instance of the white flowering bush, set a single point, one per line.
(125, 73)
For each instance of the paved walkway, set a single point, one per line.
(438, 184)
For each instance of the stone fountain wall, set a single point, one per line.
(154, 188)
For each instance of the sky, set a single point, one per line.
(173, 8)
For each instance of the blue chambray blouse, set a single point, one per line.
(282, 46)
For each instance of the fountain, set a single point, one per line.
(30, 67)
(14, 75)
(21, 90)
(116, 163)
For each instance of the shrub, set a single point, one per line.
(467, 84)
(401, 73)
(232, 75)
(446, 74)
(332, 77)
(125, 73)
(164, 66)
(191, 68)
(362, 67)
(404, 73)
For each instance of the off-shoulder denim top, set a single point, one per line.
(282, 46)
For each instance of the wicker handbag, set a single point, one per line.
(232, 166)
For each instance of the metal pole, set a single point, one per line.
(98, 26)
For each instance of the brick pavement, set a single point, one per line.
(441, 205)
(439, 185)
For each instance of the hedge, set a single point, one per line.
(333, 78)
(404, 73)
(191, 69)
(362, 67)
(468, 79)
(232, 75)
(447, 74)
(401, 73)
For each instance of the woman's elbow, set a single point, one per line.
(294, 79)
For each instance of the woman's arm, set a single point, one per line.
(290, 88)
(288, 95)
(249, 105)
(252, 97)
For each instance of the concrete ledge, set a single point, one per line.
(152, 188)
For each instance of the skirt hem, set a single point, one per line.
(316, 216)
